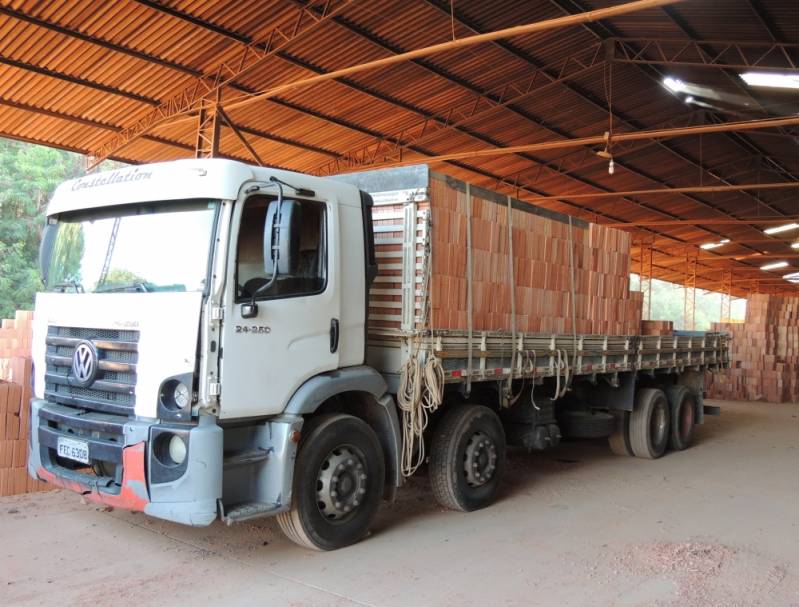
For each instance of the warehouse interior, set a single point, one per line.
(673, 121)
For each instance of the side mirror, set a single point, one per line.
(282, 237)
(46, 249)
(249, 309)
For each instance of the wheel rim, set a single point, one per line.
(659, 425)
(686, 419)
(341, 483)
(479, 459)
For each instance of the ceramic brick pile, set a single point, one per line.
(764, 353)
(542, 273)
(15, 394)
(657, 327)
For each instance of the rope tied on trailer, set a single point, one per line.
(562, 370)
(421, 392)
(573, 302)
(510, 399)
(421, 389)
(469, 295)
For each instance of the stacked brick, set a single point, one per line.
(764, 353)
(15, 394)
(542, 270)
(657, 327)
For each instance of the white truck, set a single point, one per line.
(201, 351)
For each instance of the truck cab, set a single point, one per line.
(195, 314)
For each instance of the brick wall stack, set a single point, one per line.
(764, 353)
(657, 327)
(15, 393)
(542, 270)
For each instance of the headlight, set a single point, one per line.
(181, 395)
(175, 399)
(177, 449)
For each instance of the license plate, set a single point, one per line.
(76, 450)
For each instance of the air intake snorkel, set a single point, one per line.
(250, 309)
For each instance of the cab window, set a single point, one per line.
(306, 274)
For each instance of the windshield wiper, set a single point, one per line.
(132, 286)
(68, 284)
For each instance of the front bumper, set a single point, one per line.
(123, 447)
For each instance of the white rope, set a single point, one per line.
(421, 392)
(469, 272)
(573, 294)
(509, 387)
(562, 369)
(421, 389)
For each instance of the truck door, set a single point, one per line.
(293, 334)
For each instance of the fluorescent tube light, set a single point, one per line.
(792, 277)
(674, 84)
(782, 228)
(771, 80)
(774, 266)
(714, 245)
(795, 245)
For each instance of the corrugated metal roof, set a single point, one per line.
(72, 74)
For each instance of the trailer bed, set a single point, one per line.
(501, 355)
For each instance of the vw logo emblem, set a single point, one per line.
(84, 363)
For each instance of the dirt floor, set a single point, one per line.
(715, 525)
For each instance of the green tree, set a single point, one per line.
(122, 276)
(28, 176)
(67, 254)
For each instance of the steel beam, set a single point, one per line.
(84, 82)
(720, 54)
(698, 221)
(95, 40)
(604, 31)
(208, 129)
(655, 134)
(474, 109)
(240, 135)
(460, 43)
(191, 99)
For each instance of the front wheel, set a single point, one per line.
(338, 483)
(467, 458)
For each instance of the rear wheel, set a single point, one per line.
(683, 417)
(649, 423)
(619, 441)
(467, 458)
(338, 483)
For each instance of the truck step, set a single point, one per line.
(246, 458)
(245, 512)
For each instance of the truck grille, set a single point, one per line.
(113, 388)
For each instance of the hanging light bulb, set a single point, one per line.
(611, 167)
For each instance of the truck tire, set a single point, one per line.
(649, 423)
(586, 424)
(467, 458)
(683, 417)
(619, 441)
(339, 475)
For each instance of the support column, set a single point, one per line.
(726, 295)
(208, 123)
(645, 276)
(689, 304)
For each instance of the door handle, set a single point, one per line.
(333, 335)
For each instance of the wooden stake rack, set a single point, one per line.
(537, 356)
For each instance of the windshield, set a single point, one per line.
(136, 248)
